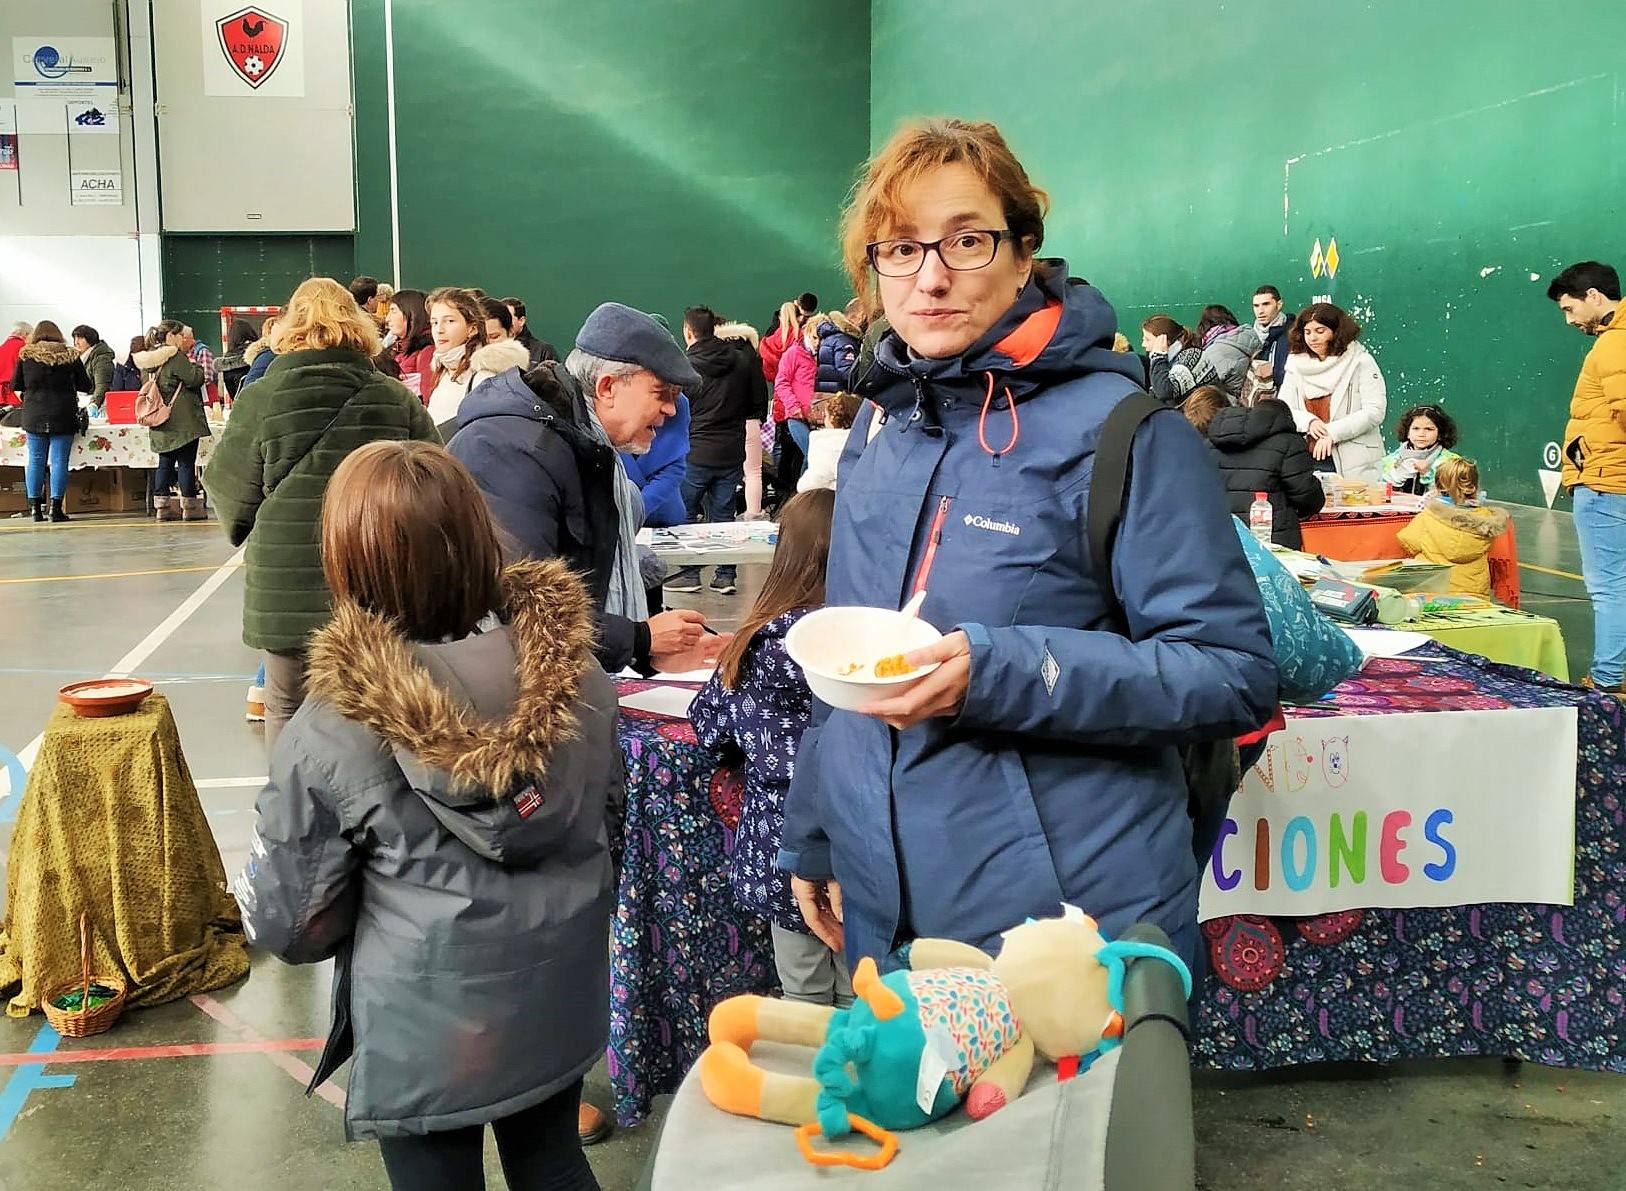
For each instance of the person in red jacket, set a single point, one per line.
(12, 348)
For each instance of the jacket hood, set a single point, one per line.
(838, 324)
(472, 723)
(713, 357)
(48, 351)
(254, 349)
(545, 391)
(156, 358)
(500, 356)
(101, 348)
(743, 331)
(1238, 428)
(1482, 521)
(1058, 328)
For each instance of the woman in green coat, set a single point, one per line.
(180, 385)
(289, 431)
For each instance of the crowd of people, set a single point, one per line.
(439, 621)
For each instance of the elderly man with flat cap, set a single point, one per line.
(542, 448)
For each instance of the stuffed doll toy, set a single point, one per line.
(953, 1024)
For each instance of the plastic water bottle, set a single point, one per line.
(1260, 518)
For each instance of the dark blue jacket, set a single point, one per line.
(550, 486)
(838, 353)
(761, 722)
(262, 361)
(1060, 779)
(659, 473)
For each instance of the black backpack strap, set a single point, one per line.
(1109, 487)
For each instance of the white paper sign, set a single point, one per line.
(66, 68)
(254, 49)
(97, 188)
(661, 700)
(89, 118)
(1445, 808)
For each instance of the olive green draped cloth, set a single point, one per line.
(111, 825)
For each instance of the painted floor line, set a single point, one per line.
(31, 1077)
(127, 664)
(179, 1050)
(154, 675)
(292, 1066)
(1530, 566)
(106, 575)
(230, 783)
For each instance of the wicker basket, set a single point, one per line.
(84, 1021)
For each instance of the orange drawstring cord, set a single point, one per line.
(982, 420)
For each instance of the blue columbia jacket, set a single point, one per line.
(1060, 778)
(659, 473)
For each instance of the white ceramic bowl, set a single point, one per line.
(826, 640)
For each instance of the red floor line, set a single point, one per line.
(180, 1050)
(300, 1071)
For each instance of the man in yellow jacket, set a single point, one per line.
(1595, 458)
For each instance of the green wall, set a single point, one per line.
(1453, 148)
(657, 154)
(203, 273)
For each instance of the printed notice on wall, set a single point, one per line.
(65, 68)
(97, 188)
(8, 136)
(257, 49)
(1447, 808)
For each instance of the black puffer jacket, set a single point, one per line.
(50, 377)
(1260, 451)
(731, 392)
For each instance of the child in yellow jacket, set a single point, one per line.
(1454, 529)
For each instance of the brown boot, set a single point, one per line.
(167, 508)
(592, 1124)
(193, 509)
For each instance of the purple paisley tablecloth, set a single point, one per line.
(1541, 983)
(678, 943)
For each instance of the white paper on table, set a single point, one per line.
(662, 700)
(1386, 643)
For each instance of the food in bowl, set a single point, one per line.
(828, 643)
(895, 666)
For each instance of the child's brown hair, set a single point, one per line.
(1458, 479)
(839, 411)
(795, 579)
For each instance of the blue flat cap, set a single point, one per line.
(628, 336)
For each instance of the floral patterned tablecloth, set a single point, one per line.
(678, 944)
(105, 446)
(1541, 983)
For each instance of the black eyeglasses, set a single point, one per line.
(962, 251)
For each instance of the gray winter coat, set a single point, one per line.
(1231, 355)
(435, 819)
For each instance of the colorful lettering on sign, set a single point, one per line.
(1338, 847)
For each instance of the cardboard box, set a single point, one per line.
(107, 490)
(13, 491)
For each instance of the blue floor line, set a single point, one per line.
(18, 776)
(30, 1077)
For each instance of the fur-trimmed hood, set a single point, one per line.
(500, 356)
(369, 672)
(743, 331)
(48, 351)
(254, 349)
(147, 361)
(1482, 521)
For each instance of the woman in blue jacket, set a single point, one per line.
(1038, 763)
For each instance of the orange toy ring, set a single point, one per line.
(887, 1140)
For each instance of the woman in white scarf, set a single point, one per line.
(458, 327)
(1336, 391)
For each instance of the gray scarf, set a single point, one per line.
(626, 594)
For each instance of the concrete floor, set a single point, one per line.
(77, 600)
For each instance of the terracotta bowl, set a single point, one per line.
(105, 696)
